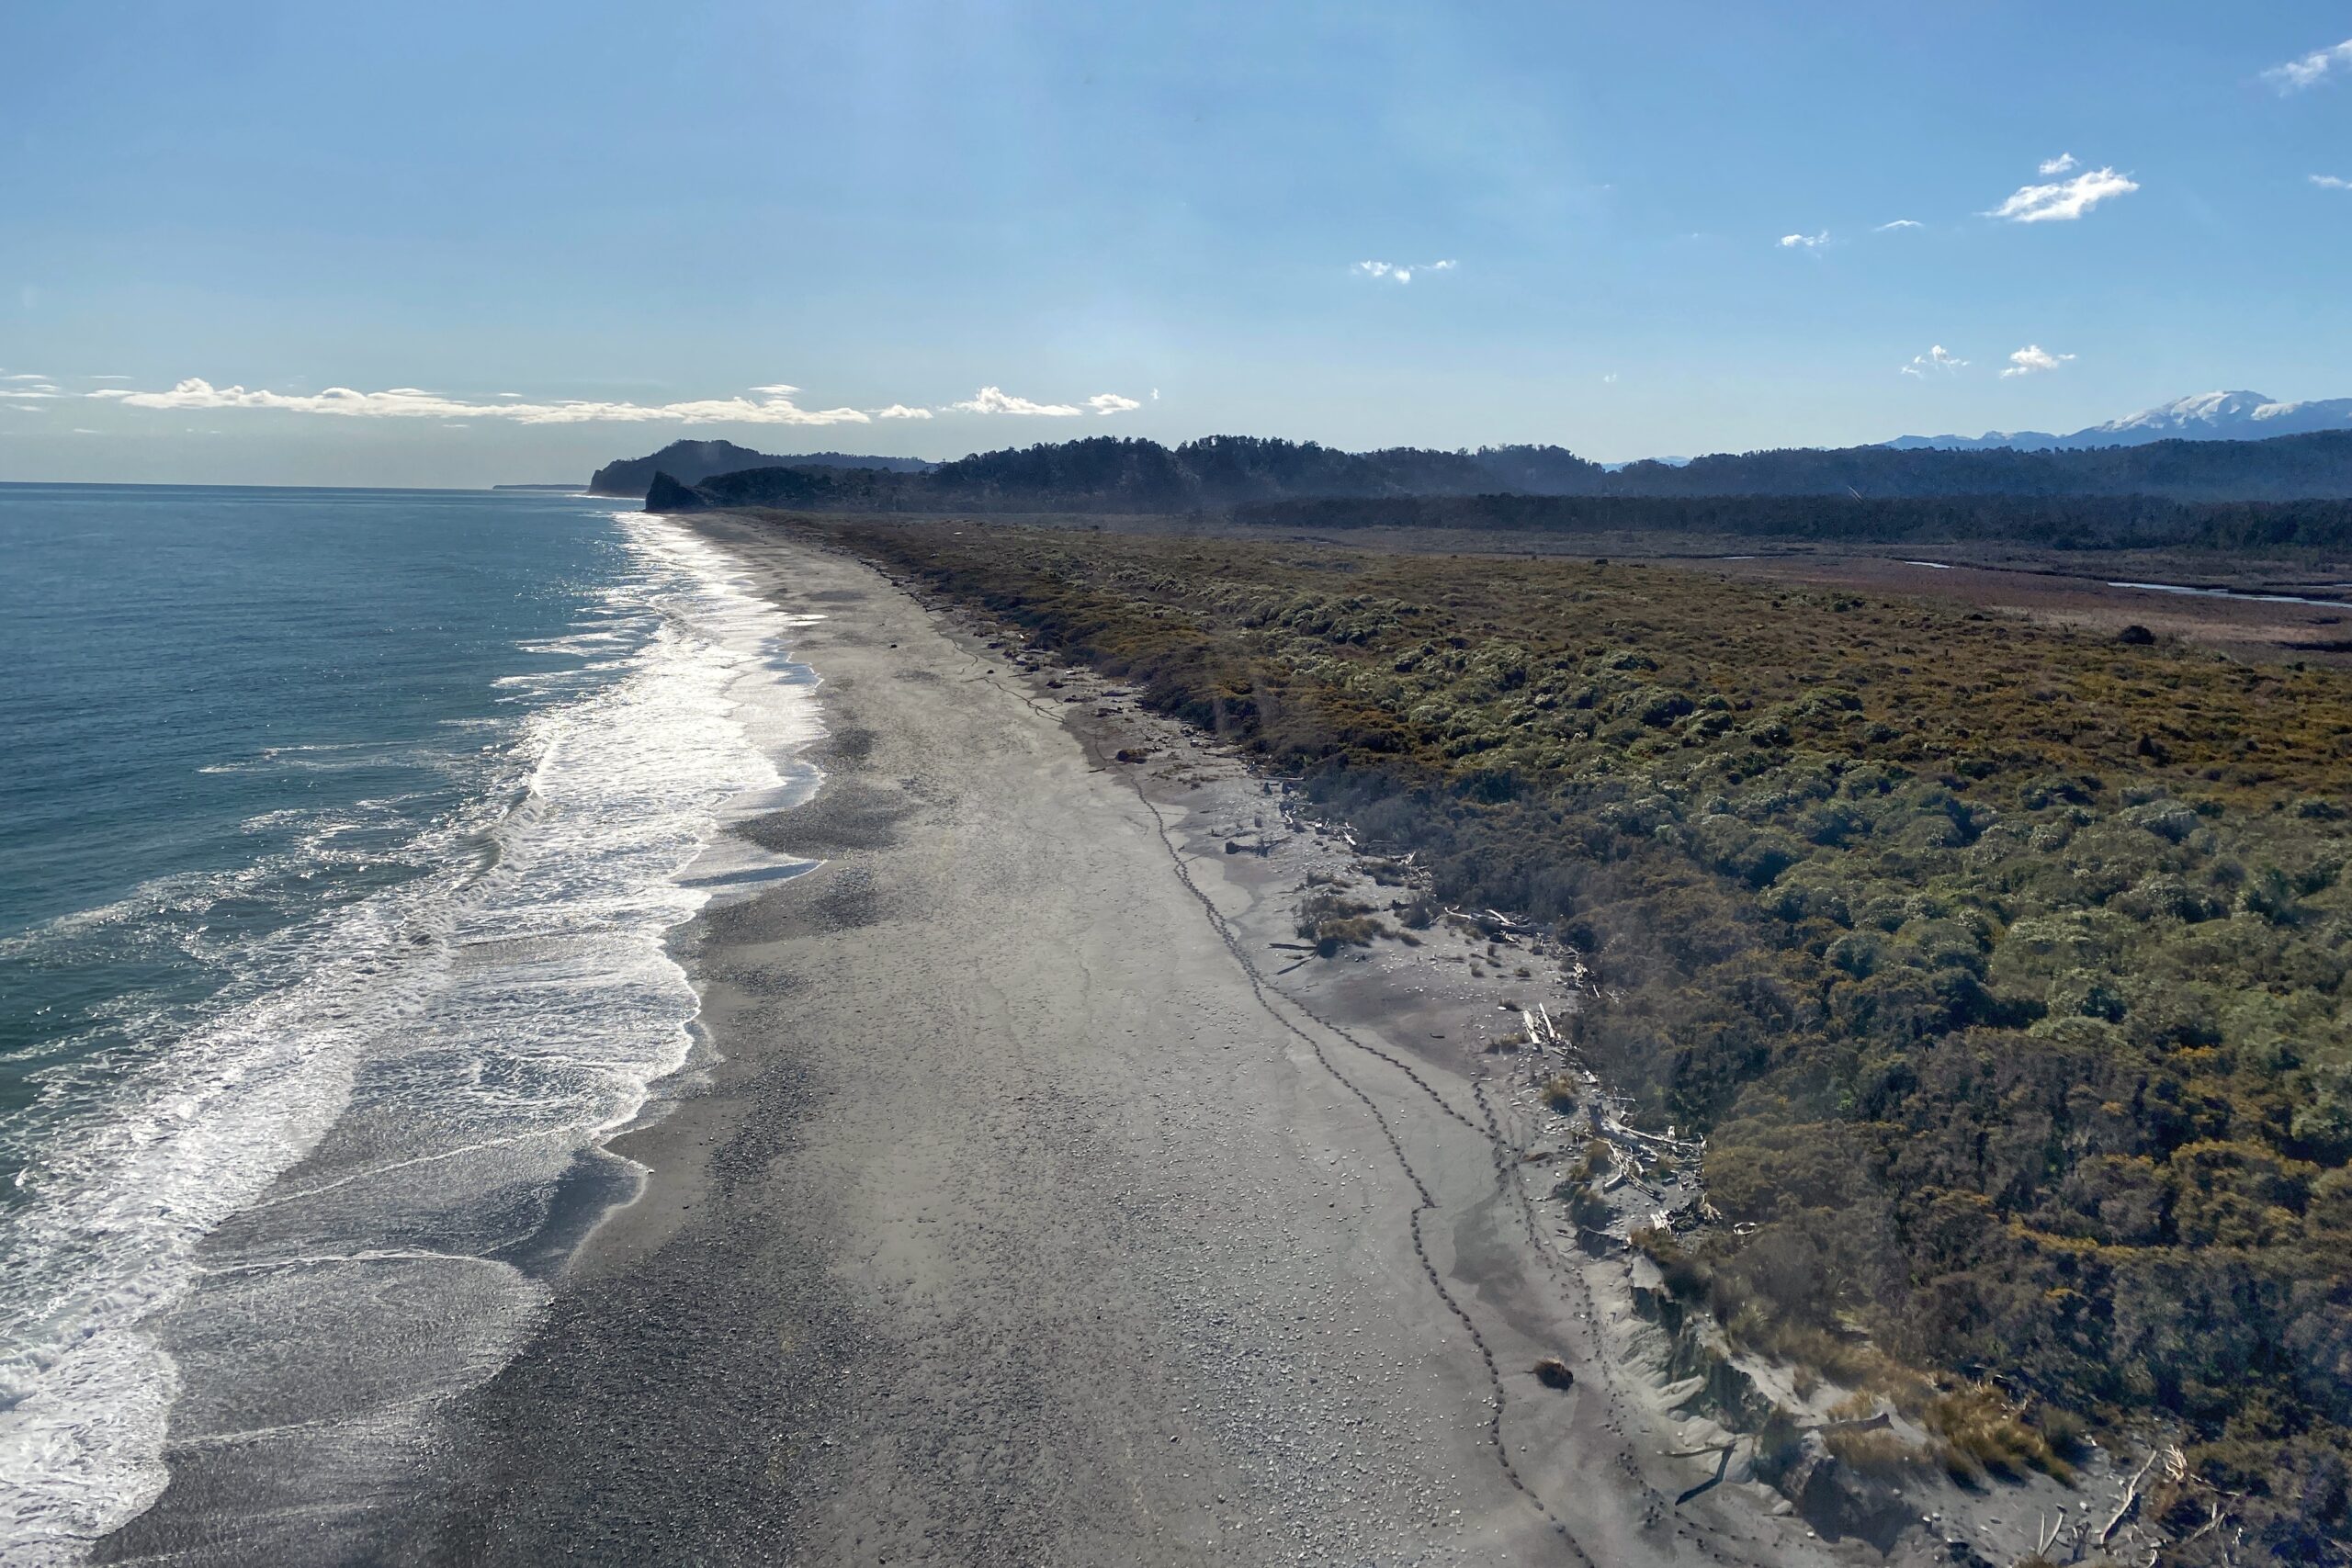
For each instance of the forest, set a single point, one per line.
(1110, 474)
(2083, 523)
(2003, 967)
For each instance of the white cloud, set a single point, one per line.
(2062, 164)
(996, 399)
(1609, 379)
(1898, 223)
(106, 377)
(776, 389)
(2031, 359)
(1936, 358)
(1401, 273)
(2064, 199)
(901, 410)
(2331, 182)
(1807, 242)
(25, 376)
(2311, 69)
(409, 403)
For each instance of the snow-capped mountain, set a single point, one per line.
(2208, 416)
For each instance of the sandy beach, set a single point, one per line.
(1022, 1217)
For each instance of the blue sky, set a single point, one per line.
(597, 210)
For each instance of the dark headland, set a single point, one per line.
(694, 461)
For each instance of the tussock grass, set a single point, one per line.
(1332, 922)
(1978, 1434)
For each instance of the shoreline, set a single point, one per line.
(407, 1253)
(1022, 1218)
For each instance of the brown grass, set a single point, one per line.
(1978, 1434)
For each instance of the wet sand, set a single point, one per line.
(1020, 1219)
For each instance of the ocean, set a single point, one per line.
(346, 838)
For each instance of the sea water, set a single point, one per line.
(344, 837)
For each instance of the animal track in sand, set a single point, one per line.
(1500, 1400)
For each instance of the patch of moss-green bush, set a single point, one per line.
(2004, 967)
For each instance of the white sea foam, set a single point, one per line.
(402, 1081)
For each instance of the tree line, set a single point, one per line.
(1113, 474)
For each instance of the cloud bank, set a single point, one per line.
(2032, 360)
(2065, 201)
(773, 405)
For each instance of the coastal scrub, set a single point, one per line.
(2004, 967)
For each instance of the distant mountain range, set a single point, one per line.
(2208, 416)
(691, 462)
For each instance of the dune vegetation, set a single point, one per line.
(2004, 968)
